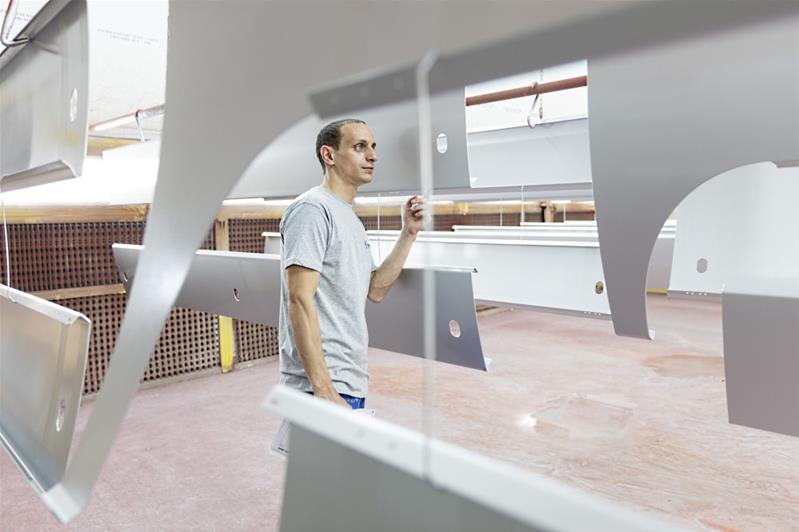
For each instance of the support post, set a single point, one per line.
(227, 339)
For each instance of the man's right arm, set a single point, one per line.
(301, 283)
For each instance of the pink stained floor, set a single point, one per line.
(642, 423)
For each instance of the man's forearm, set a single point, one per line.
(389, 270)
(308, 339)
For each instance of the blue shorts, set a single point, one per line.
(356, 403)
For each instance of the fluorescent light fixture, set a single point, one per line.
(503, 202)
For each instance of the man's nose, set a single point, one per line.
(371, 155)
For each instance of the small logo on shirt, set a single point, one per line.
(366, 243)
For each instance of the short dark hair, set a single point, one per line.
(330, 135)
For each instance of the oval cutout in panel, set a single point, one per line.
(454, 329)
(441, 143)
(59, 419)
(701, 265)
(73, 105)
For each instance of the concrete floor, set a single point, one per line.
(642, 423)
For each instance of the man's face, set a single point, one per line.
(355, 157)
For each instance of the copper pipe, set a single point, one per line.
(530, 90)
(141, 114)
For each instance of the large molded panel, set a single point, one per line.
(761, 352)
(240, 285)
(288, 166)
(44, 87)
(658, 272)
(547, 155)
(396, 325)
(551, 275)
(739, 222)
(398, 480)
(43, 350)
(201, 159)
(246, 286)
(664, 121)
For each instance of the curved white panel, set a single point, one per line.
(288, 166)
(246, 286)
(43, 350)
(741, 223)
(550, 154)
(399, 480)
(237, 78)
(664, 120)
(553, 275)
(44, 94)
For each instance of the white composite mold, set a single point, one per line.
(246, 286)
(535, 501)
(200, 161)
(538, 274)
(738, 223)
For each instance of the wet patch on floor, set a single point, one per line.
(687, 366)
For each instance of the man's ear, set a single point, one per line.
(327, 155)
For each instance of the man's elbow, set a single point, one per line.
(299, 301)
(375, 297)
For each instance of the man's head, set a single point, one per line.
(346, 150)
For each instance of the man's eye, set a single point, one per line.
(359, 147)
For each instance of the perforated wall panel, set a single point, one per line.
(244, 235)
(189, 341)
(68, 255)
(254, 341)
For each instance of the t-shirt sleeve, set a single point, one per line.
(305, 234)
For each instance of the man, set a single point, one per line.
(328, 271)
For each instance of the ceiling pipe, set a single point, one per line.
(134, 117)
(508, 94)
(529, 90)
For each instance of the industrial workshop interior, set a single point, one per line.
(445, 266)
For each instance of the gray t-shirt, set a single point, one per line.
(320, 231)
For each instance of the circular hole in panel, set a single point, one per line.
(236, 295)
(599, 287)
(701, 265)
(441, 143)
(73, 105)
(454, 328)
(59, 419)
(123, 276)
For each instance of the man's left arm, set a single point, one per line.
(383, 278)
